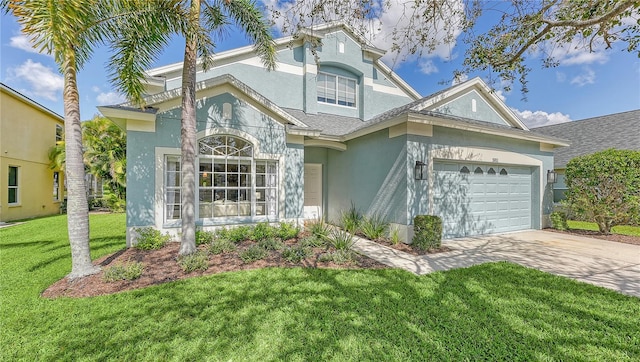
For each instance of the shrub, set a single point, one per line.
(312, 241)
(559, 220)
(296, 253)
(338, 257)
(341, 240)
(204, 237)
(604, 188)
(239, 233)
(351, 219)
(286, 231)
(394, 236)
(127, 271)
(428, 232)
(271, 243)
(374, 227)
(319, 228)
(253, 253)
(150, 239)
(220, 245)
(194, 261)
(262, 231)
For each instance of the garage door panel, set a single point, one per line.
(478, 203)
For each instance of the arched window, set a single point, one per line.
(464, 169)
(478, 171)
(231, 182)
(491, 171)
(503, 172)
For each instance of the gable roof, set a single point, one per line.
(619, 130)
(30, 102)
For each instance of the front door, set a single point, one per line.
(312, 191)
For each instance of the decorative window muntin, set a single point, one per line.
(335, 89)
(173, 189)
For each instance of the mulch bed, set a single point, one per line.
(627, 239)
(410, 249)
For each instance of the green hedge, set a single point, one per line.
(427, 232)
(559, 220)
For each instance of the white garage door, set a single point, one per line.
(474, 199)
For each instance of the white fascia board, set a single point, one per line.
(303, 132)
(399, 81)
(376, 127)
(435, 121)
(115, 113)
(339, 146)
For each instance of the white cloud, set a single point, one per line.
(500, 94)
(95, 88)
(587, 77)
(578, 53)
(43, 81)
(561, 77)
(535, 119)
(109, 98)
(22, 42)
(427, 66)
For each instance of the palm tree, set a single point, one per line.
(69, 30)
(202, 18)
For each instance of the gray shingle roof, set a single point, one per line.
(620, 130)
(328, 124)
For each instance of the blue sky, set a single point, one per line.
(584, 85)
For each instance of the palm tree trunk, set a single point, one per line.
(188, 136)
(77, 205)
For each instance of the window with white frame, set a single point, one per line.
(13, 185)
(231, 182)
(334, 89)
(56, 186)
(59, 133)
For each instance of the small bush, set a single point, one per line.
(150, 239)
(220, 245)
(296, 253)
(204, 237)
(253, 253)
(341, 240)
(428, 232)
(374, 227)
(195, 261)
(559, 220)
(319, 228)
(351, 219)
(239, 234)
(271, 243)
(128, 271)
(394, 236)
(262, 231)
(286, 231)
(312, 241)
(338, 257)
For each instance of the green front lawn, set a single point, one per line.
(496, 311)
(621, 229)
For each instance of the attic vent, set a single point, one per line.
(473, 105)
(226, 111)
(341, 47)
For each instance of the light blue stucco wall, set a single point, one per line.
(294, 88)
(319, 155)
(270, 139)
(371, 173)
(462, 107)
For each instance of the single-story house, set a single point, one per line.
(315, 136)
(587, 136)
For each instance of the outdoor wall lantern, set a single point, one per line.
(552, 176)
(420, 171)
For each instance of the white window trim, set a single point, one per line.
(56, 196)
(161, 152)
(61, 133)
(17, 187)
(355, 106)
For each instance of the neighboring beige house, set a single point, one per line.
(28, 187)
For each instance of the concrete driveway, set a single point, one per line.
(605, 263)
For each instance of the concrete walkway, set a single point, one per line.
(605, 263)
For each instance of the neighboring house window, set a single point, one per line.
(13, 185)
(59, 133)
(56, 186)
(173, 200)
(335, 89)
